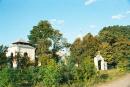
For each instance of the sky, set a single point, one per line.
(74, 18)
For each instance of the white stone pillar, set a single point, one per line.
(96, 63)
(105, 63)
(102, 65)
(14, 64)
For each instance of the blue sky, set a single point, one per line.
(72, 17)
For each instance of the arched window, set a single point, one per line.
(11, 55)
(25, 54)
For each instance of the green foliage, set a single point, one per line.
(89, 69)
(21, 77)
(24, 61)
(44, 60)
(76, 50)
(77, 74)
(112, 34)
(44, 37)
(16, 78)
(90, 45)
(3, 59)
(43, 30)
(113, 42)
(43, 47)
(48, 75)
(84, 48)
(115, 45)
(85, 71)
(52, 76)
(4, 80)
(67, 73)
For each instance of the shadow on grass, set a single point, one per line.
(104, 76)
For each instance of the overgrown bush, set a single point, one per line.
(4, 80)
(49, 75)
(21, 77)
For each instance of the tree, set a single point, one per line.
(90, 45)
(87, 47)
(43, 31)
(76, 51)
(48, 75)
(115, 44)
(112, 34)
(46, 38)
(3, 59)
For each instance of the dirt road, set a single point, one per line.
(122, 82)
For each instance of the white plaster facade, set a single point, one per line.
(21, 47)
(103, 63)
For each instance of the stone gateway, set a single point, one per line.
(99, 62)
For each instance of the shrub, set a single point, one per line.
(49, 75)
(4, 81)
(21, 77)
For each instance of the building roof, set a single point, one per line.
(21, 41)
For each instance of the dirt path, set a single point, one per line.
(122, 82)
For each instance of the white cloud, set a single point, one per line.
(88, 2)
(57, 22)
(121, 16)
(118, 17)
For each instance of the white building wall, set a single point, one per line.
(29, 51)
(12, 49)
(103, 63)
(21, 49)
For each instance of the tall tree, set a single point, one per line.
(76, 51)
(85, 47)
(45, 37)
(3, 59)
(43, 30)
(90, 44)
(112, 34)
(115, 44)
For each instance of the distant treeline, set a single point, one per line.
(78, 68)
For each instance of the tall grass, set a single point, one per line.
(101, 77)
